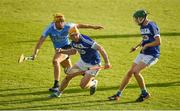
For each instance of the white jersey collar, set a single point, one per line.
(54, 26)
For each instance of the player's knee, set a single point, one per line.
(68, 77)
(83, 85)
(55, 62)
(135, 71)
(130, 73)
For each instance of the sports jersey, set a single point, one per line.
(87, 50)
(149, 32)
(58, 37)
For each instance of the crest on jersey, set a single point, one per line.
(145, 31)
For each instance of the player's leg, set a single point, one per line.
(66, 64)
(123, 84)
(70, 74)
(79, 66)
(140, 80)
(126, 79)
(57, 59)
(145, 62)
(88, 81)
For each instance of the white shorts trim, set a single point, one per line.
(147, 59)
(84, 66)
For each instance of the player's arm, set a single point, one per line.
(89, 26)
(71, 51)
(152, 44)
(104, 55)
(157, 38)
(136, 47)
(38, 46)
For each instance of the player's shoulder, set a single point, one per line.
(49, 27)
(152, 24)
(51, 24)
(86, 39)
(69, 24)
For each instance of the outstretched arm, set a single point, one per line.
(89, 26)
(38, 46)
(104, 55)
(68, 51)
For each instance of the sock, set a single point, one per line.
(118, 93)
(144, 91)
(92, 83)
(56, 83)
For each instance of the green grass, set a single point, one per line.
(24, 86)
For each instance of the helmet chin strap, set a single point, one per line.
(141, 21)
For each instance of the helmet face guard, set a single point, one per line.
(139, 20)
(140, 16)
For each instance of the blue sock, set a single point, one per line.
(118, 93)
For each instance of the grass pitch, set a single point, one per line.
(25, 86)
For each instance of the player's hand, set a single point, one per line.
(144, 48)
(133, 49)
(107, 66)
(98, 27)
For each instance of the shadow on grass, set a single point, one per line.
(131, 35)
(166, 84)
(21, 93)
(113, 36)
(22, 88)
(64, 105)
(70, 104)
(19, 101)
(79, 90)
(75, 90)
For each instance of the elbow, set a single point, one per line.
(101, 49)
(74, 52)
(159, 43)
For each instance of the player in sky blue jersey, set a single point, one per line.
(58, 32)
(89, 57)
(148, 56)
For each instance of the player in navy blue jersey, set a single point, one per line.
(148, 56)
(89, 57)
(58, 32)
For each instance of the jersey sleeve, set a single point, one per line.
(94, 46)
(46, 31)
(71, 25)
(155, 30)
